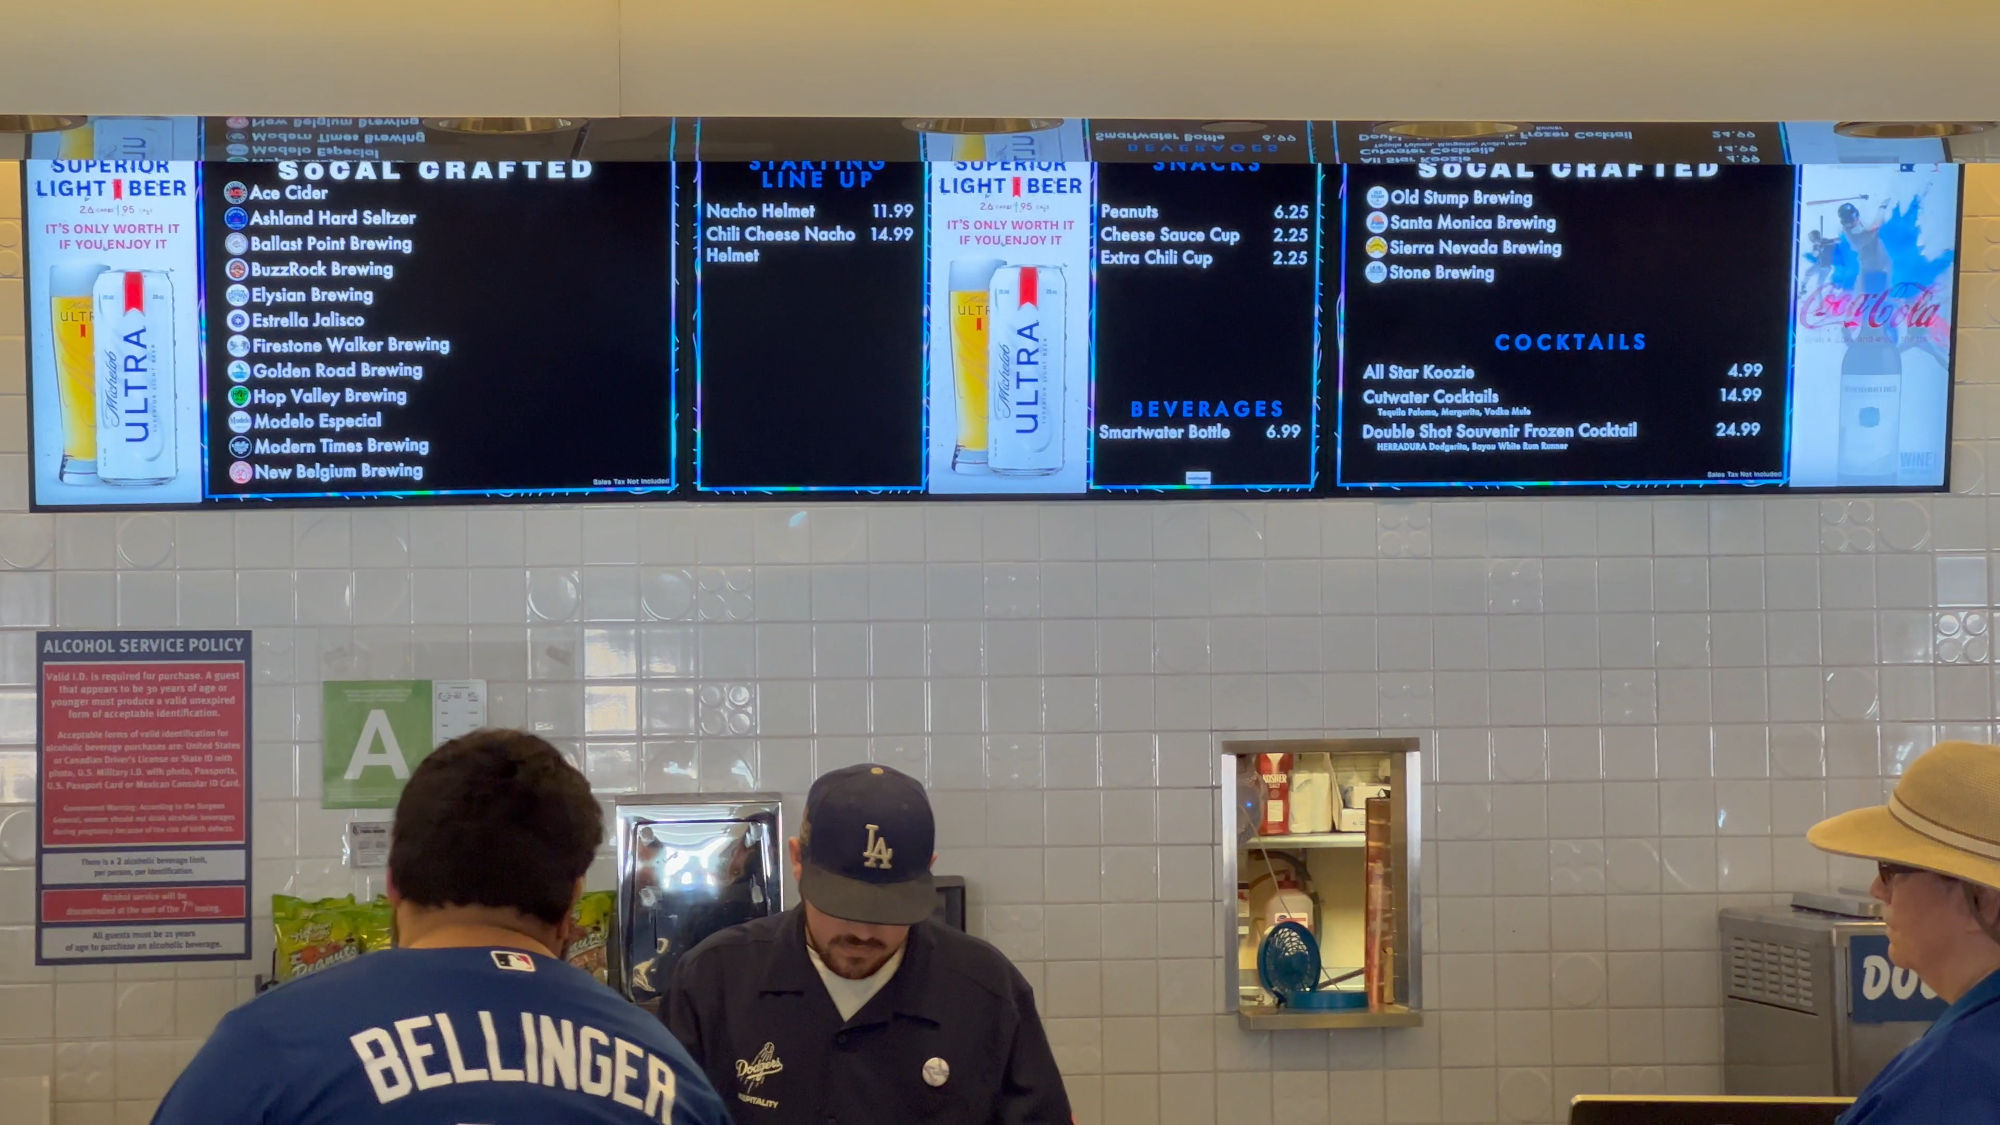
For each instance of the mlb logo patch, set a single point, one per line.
(513, 962)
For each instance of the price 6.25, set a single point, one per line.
(1738, 429)
(1283, 430)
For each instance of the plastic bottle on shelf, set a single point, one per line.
(1275, 773)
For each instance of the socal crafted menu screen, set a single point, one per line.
(987, 323)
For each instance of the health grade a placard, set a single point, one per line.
(374, 732)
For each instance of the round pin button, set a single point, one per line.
(936, 1072)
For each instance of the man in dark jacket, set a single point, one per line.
(856, 1006)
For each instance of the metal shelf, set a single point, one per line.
(1270, 1019)
(1310, 840)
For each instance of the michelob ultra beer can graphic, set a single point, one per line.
(1024, 424)
(134, 321)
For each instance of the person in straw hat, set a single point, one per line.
(1936, 847)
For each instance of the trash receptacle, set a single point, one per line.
(1811, 1005)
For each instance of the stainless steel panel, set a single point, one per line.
(688, 867)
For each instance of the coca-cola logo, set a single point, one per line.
(1907, 305)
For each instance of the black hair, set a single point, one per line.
(495, 818)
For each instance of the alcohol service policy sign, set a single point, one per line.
(144, 803)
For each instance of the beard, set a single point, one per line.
(854, 958)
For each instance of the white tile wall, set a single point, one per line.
(1631, 709)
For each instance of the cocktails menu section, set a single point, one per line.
(438, 328)
(808, 339)
(1749, 142)
(1568, 324)
(1207, 335)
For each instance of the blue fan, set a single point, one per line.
(1288, 965)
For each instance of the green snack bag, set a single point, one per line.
(312, 936)
(589, 948)
(375, 923)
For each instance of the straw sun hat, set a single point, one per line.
(1943, 816)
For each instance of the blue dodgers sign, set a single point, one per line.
(1882, 993)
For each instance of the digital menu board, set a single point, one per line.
(1053, 309)
(1613, 325)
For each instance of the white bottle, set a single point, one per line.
(1312, 794)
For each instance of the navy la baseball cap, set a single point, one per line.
(867, 846)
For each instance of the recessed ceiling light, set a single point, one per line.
(501, 126)
(981, 126)
(1448, 130)
(1910, 130)
(38, 122)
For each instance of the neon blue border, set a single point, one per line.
(1312, 453)
(1792, 323)
(673, 376)
(921, 220)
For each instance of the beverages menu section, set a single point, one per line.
(437, 328)
(1208, 326)
(1479, 354)
(1204, 310)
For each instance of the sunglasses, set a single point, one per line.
(1888, 871)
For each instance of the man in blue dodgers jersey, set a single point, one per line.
(472, 1018)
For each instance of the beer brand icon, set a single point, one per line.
(239, 346)
(236, 218)
(239, 422)
(1376, 273)
(239, 446)
(237, 295)
(235, 191)
(237, 320)
(877, 854)
(239, 397)
(239, 371)
(239, 123)
(236, 243)
(1378, 196)
(237, 269)
(752, 1072)
(240, 472)
(1377, 222)
(1377, 247)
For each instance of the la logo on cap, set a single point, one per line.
(878, 853)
